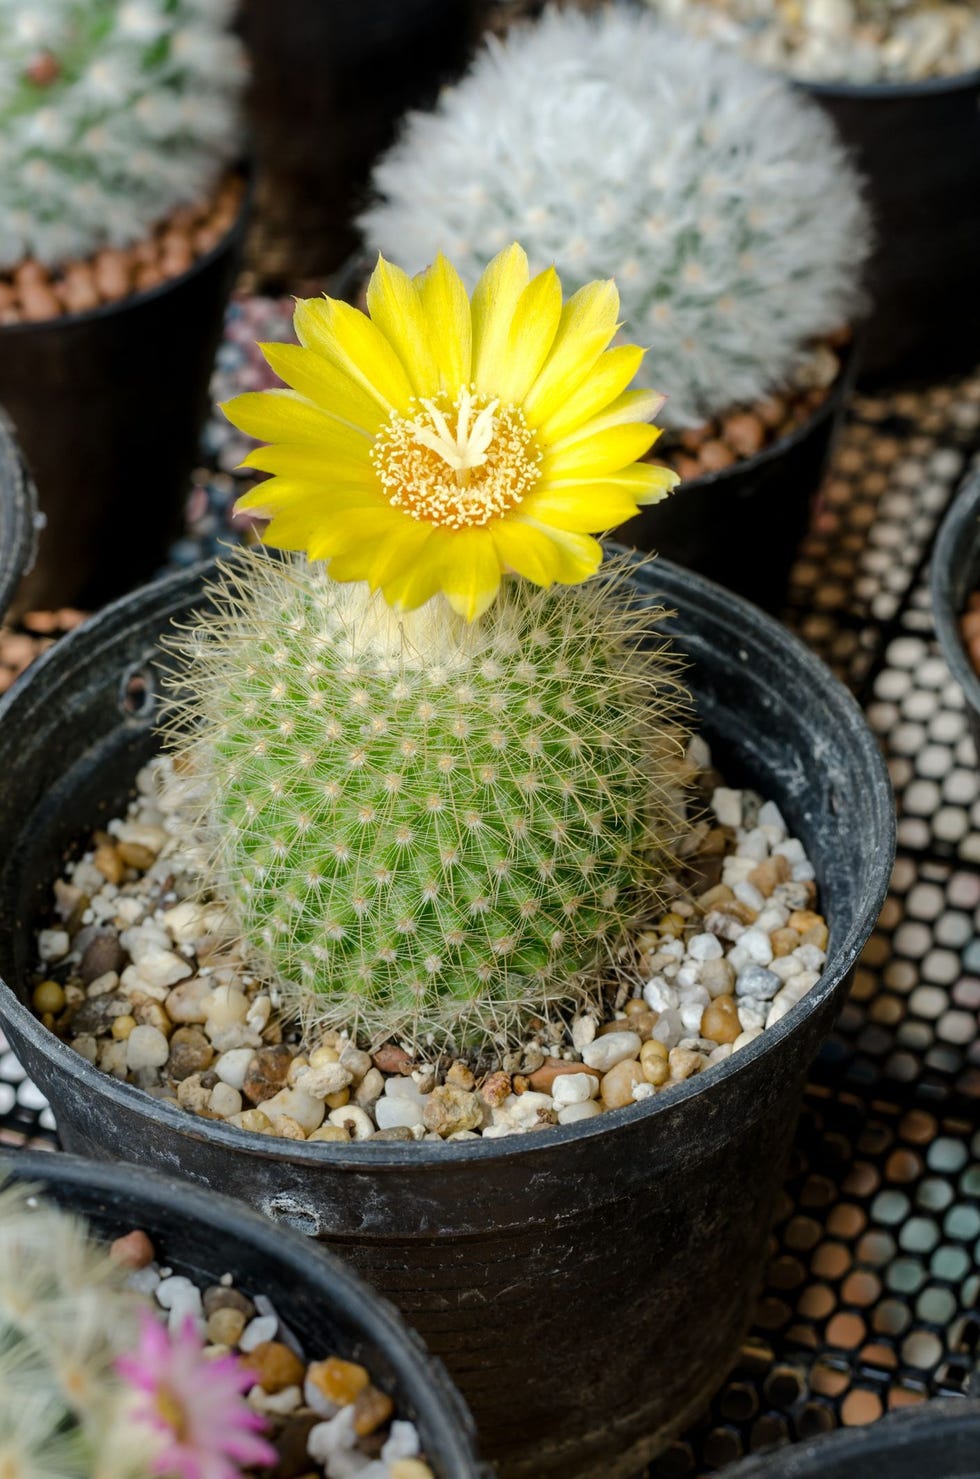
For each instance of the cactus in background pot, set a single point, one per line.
(434, 783)
(112, 114)
(720, 198)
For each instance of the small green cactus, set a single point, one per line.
(424, 826)
(64, 1319)
(112, 113)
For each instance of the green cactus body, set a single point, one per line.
(424, 826)
(64, 1318)
(112, 113)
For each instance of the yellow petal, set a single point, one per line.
(495, 298)
(447, 307)
(610, 376)
(632, 406)
(588, 322)
(471, 579)
(305, 524)
(313, 499)
(319, 464)
(407, 566)
(354, 544)
(281, 416)
(326, 386)
(584, 508)
(394, 304)
(576, 557)
(598, 455)
(532, 333)
(348, 339)
(526, 550)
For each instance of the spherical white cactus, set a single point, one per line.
(111, 115)
(719, 199)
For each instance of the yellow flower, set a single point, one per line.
(442, 442)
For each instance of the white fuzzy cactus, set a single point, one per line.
(718, 198)
(112, 113)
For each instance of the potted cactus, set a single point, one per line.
(146, 1328)
(901, 81)
(428, 771)
(18, 515)
(736, 238)
(120, 221)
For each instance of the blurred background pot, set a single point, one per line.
(954, 576)
(742, 526)
(645, 1228)
(939, 1440)
(330, 82)
(203, 1235)
(108, 407)
(18, 515)
(918, 144)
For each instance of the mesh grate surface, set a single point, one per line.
(871, 1299)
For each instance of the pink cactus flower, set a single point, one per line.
(194, 1404)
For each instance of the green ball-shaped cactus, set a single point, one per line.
(65, 1317)
(421, 825)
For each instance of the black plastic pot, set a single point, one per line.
(204, 1235)
(108, 407)
(18, 515)
(939, 1440)
(742, 526)
(954, 574)
(918, 145)
(588, 1286)
(330, 82)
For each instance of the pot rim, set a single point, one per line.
(419, 1373)
(144, 296)
(387, 1155)
(19, 555)
(856, 1445)
(961, 518)
(872, 92)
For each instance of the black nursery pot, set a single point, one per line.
(108, 407)
(918, 145)
(939, 1440)
(743, 526)
(328, 89)
(18, 515)
(588, 1286)
(203, 1235)
(954, 575)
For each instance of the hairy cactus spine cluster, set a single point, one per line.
(112, 113)
(420, 825)
(719, 198)
(64, 1319)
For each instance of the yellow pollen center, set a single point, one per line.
(457, 463)
(172, 1411)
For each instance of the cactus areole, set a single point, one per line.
(432, 755)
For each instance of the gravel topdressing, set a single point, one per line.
(142, 976)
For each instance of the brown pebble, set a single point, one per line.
(218, 1297)
(716, 456)
(102, 954)
(108, 862)
(30, 274)
(719, 1021)
(769, 873)
(744, 432)
(113, 273)
(371, 1409)
(543, 1078)
(134, 1250)
(340, 1381)
(266, 1074)
(392, 1059)
(42, 622)
(291, 1445)
(276, 1367)
(135, 855)
(771, 412)
(495, 1088)
(190, 1052)
(226, 1325)
(783, 942)
(448, 1109)
(460, 1075)
(618, 1084)
(38, 303)
(970, 625)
